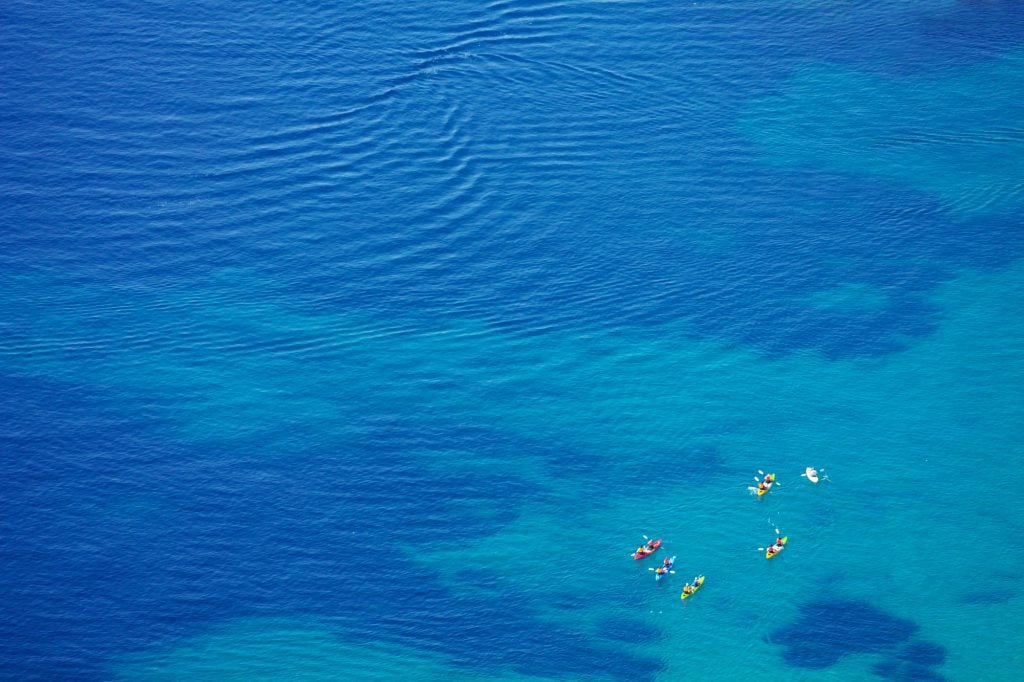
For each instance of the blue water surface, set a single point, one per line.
(336, 332)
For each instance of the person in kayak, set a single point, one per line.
(688, 588)
(776, 547)
(661, 570)
(667, 562)
(646, 549)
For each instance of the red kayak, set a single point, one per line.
(651, 547)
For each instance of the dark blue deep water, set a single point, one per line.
(364, 340)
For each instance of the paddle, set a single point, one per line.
(777, 535)
(633, 556)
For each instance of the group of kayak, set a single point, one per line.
(646, 550)
(668, 564)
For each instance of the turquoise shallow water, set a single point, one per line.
(706, 419)
(356, 343)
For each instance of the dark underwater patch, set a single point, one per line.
(117, 539)
(923, 653)
(764, 291)
(829, 630)
(889, 668)
(913, 663)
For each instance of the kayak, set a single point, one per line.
(812, 475)
(769, 555)
(770, 483)
(700, 581)
(643, 555)
(671, 564)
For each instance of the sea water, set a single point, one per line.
(368, 340)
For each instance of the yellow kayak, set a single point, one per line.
(696, 586)
(769, 555)
(770, 480)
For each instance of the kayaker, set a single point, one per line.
(687, 589)
(667, 562)
(778, 542)
(642, 549)
(661, 570)
(763, 485)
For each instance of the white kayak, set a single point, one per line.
(811, 474)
